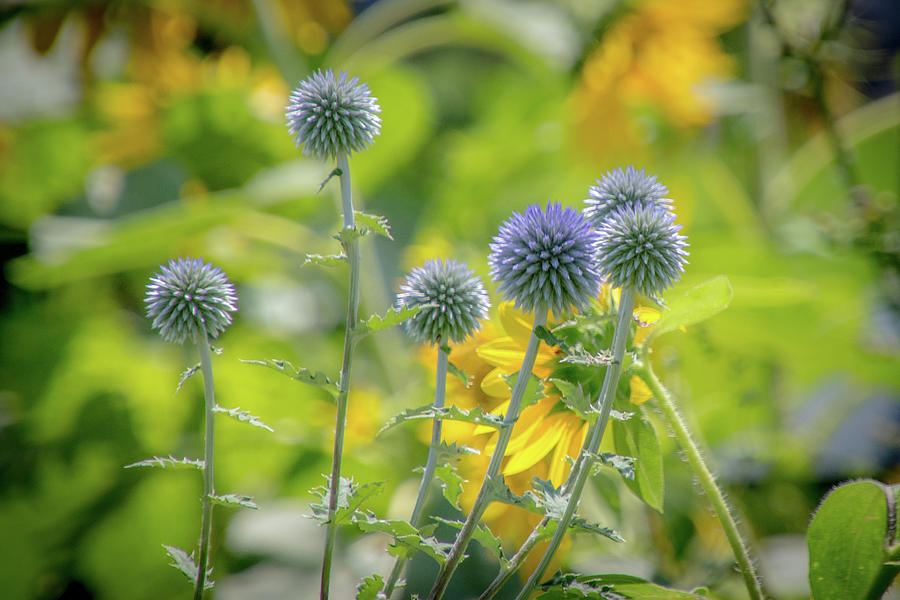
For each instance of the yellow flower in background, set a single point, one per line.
(656, 57)
(543, 438)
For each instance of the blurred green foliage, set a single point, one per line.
(174, 145)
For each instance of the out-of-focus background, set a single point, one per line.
(132, 132)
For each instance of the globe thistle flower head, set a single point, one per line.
(330, 116)
(188, 298)
(546, 259)
(623, 188)
(640, 246)
(452, 298)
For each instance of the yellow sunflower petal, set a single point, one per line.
(494, 385)
(539, 446)
(505, 353)
(559, 467)
(640, 393)
(515, 323)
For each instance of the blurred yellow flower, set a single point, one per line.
(543, 438)
(654, 57)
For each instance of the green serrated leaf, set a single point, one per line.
(623, 464)
(233, 500)
(549, 338)
(476, 416)
(184, 562)
(394, 316)
(534, 389)
(374, 223)
(846, 538)
(187, 374)
(169, 461)
(464, 377)
(451, 483)
(546, 500)
(242, 415)
(579, 356)
(407, 539)
(324, 260)
(483, 536)
(637, 437)
(351, 496)
(574, 397)
(370, 588)
(302, 374)
(692, 306)
(569, 586)
(454, 449)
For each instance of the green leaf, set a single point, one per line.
(574, 397)
(184, 562)
(393, 316)
(548, 501)
(846, 539)
(569, 586)
(351, 497)
(326, 260)
(576, 354)
(451, 483)
(374, 223)
(694, 305)
(483, 536)
(637, 437)
(464, 377)
(233, 500)
(302, 374)
(242, 415)
(534, 389)
(186, 375)
(476, 416)
(454, 449)
(623, 464)
(407, 539)
(370, 588)
(169, 461)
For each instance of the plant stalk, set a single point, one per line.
(209, 488)
(705, 477)
(440, 386)
(483, 499)
(584, 466)
(351, 249)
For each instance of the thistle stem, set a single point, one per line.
(583, 465)
(209, 488)
(440, 386)
(351, 249)
(483, 499)
(704, 476)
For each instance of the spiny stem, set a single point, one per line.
(705, 476)
(482, 501)
(351, 249)
(583, 465)
(440, 386)
(209, 488)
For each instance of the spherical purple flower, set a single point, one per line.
(189, 298)
(546, 259)
(640, 247)
(623, 188)
(452, 298)
(332, 116)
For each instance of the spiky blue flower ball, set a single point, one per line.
(453, 299)
(330, 116)
(187, 298)
(546, 259)
(623, 188)
(640, 246)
